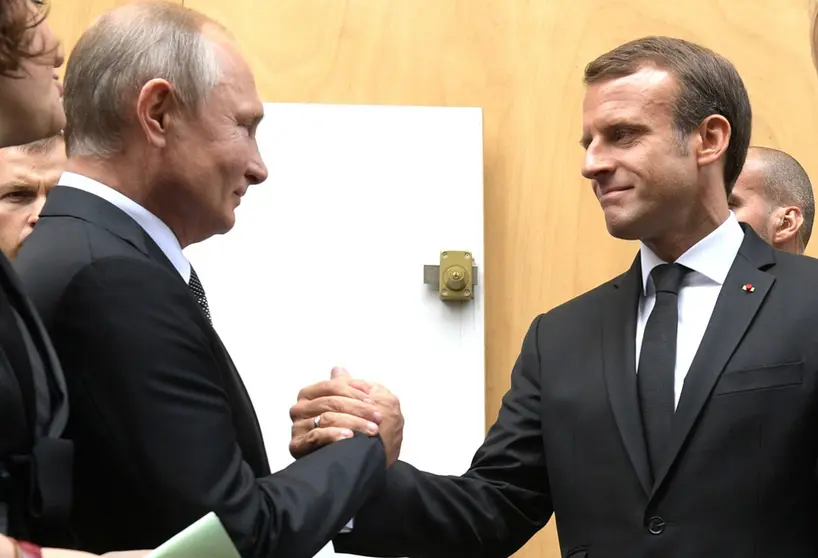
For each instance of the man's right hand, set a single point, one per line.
(339, 407)
(391, 428)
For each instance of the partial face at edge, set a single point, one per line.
(31, 103)
(25, 180)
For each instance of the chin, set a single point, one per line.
(227, 223)
(53, 116)
(618, 221)
(623, 229)
(47, 128)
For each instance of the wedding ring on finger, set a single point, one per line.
(316, 422)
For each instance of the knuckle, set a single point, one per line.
(310, 439)
(334, 404)
(333, 387)
(352, 423)
(297, 447)
(301, 429)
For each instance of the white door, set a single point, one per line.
(325, 267)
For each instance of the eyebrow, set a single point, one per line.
(17, 186)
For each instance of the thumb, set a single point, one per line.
(339, 372)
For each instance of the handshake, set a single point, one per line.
(334, 409)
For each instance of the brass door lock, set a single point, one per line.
(455, 277)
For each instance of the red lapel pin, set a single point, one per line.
(748, 288)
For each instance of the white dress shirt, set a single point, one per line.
(150, 223)
(710, 260)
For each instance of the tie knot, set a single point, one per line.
(667, 278)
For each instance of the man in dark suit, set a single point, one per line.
(670, 411)
(162, 113)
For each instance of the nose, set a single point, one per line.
(36, 207)
(60, 60)
(256, 170)
(596, 163)
(59, 52)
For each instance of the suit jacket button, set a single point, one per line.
(656, 525)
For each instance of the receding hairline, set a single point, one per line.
(123, 50)
(216, 34)
(772, 164)
(208, 27)
(157, 8)
(594, 74)
(128, 14)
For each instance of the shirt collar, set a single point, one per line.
(712, 256)
(150, 223)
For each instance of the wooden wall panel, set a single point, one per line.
(522, 61)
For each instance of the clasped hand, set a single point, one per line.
(334, 409)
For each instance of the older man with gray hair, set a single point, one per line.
(773, 194)
(162, 113)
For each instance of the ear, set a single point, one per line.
(154, 106)
(788, 223)
(714, 137)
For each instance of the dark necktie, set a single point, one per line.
(657, 361)
(198, 292)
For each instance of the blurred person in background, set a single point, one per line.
(27, 174)
(773, 194)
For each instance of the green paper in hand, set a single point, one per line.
(204, 539)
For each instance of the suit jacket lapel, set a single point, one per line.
(732, 315)
(619, 363)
